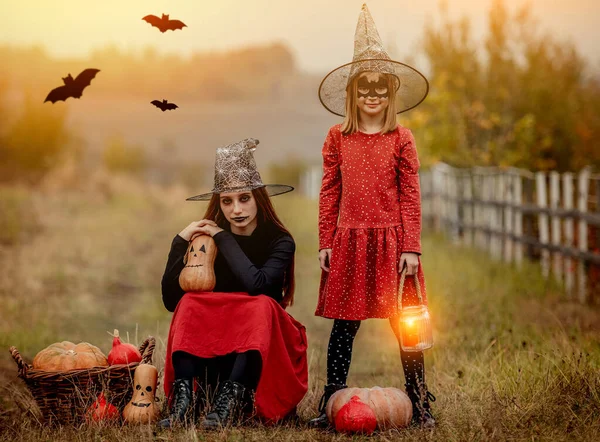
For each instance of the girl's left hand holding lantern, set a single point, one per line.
(411, 260)
(203, 227)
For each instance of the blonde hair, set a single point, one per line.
(350, 123)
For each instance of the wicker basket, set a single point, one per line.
(64, 396)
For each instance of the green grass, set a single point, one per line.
(513, 359)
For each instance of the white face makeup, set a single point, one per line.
(372, 94)
(240, 210)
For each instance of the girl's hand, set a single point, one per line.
(325, 259)
(203, 227)
(412, 263)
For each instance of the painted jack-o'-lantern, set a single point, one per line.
(198, 275)
(143, 408)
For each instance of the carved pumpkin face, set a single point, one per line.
(196, 257)
(144, 395)
(143, 408)
(198, 275)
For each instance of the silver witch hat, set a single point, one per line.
(235, 171)
(370, 56)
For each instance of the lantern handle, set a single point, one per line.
(401, 288)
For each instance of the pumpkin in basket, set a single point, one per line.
(198, 275)
(123, 353)
(142, 408)
(62, 356)
(102, 410)
(392, 407)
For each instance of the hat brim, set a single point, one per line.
(272, 190)
(413, 89)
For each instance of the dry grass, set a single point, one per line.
(513, 359)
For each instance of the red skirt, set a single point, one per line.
(363, 278)
(216, 324)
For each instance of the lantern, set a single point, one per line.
(415, 322)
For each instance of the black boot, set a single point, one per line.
(321, 421)
(420, 398)
(182, 403)
(227, 407)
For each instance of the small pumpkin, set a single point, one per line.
(142, 409)
(355, 417)
(122, 353)
(198, 275)
(392, 407)
(102, 410)
(66, 355)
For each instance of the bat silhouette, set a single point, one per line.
(164, 105)
(164, 24)
(73, 87)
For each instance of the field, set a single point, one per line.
(513, 359)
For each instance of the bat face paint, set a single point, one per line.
(378, 89)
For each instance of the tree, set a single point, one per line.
(519, 99)
(34, 144)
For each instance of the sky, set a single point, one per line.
(320, 32)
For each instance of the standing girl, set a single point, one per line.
(370, 208)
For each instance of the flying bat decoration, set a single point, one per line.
(73, 87)
(163, 23)
(164, 105)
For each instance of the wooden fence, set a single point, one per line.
(517, 214)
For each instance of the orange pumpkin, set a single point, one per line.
(392, 407)
(142, 409)
(198, 275)
(65, 355)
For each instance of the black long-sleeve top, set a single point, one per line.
(255, 264)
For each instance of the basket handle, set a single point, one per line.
(23, 366)
(147, 349)
(401, 287)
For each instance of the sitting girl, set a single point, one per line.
(237, 338)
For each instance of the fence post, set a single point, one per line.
(555, 223)
(486, 196)
(496, 224)
(542, 202)
(468, 209)
(582, 205)
(453, 204)
(478, 208)
(508, 216)
(518, 227)
(569, 233)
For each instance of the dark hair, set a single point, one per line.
(265, 214)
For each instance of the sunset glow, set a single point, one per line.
(319, 33)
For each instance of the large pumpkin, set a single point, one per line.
(65, 355)
(392, 407)
(198, 275)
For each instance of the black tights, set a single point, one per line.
(339, 354)
(244, 368)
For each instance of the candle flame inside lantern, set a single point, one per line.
(415, 327)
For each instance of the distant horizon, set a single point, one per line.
(320, 36)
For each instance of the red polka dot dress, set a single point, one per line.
(369, 213)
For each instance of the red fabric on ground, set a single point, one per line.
(215, 324)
